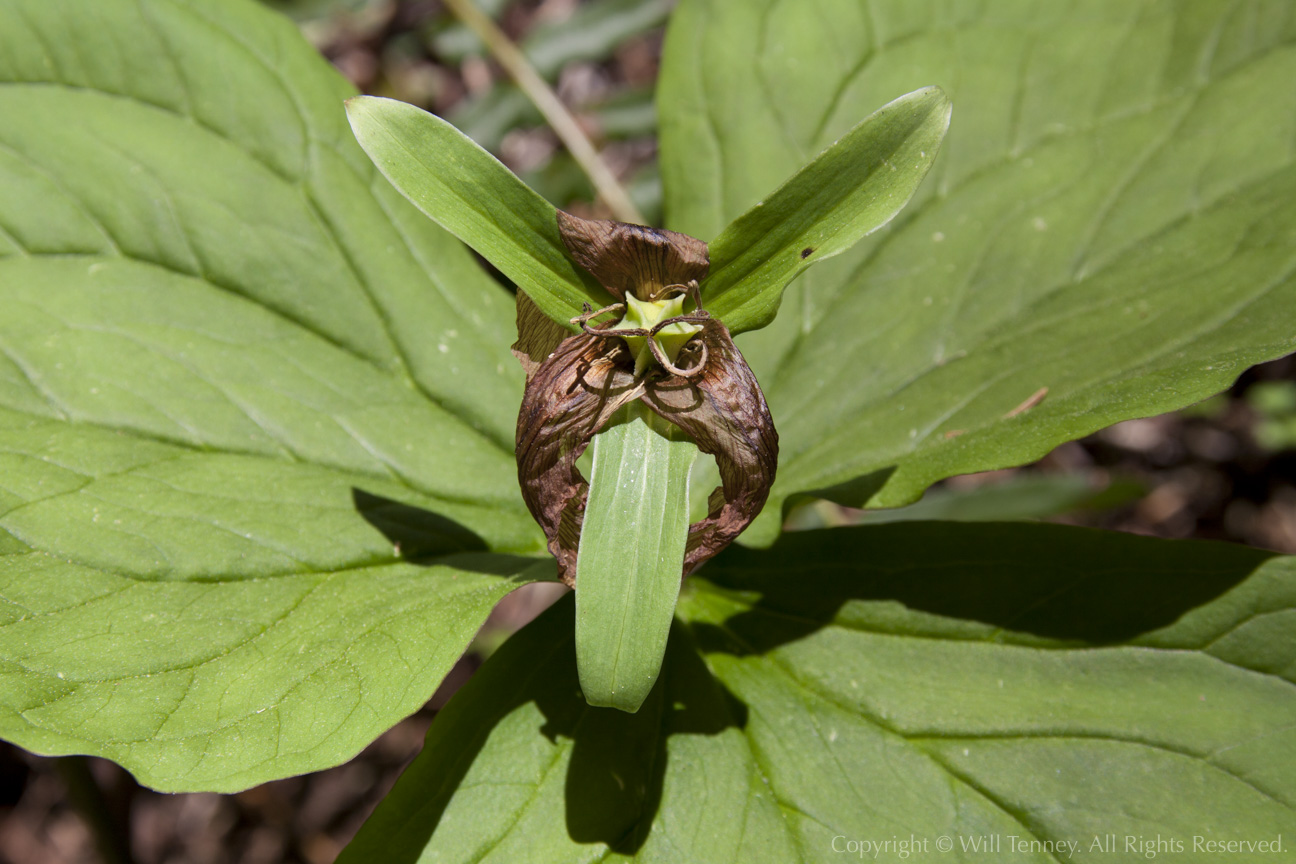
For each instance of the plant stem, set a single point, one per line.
(551, 107)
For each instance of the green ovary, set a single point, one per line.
(646, 314)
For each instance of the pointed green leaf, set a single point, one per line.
(850, 190)
(469, 193)
(631, 555)
(1112, 217)
(904, 681)
(256, 411)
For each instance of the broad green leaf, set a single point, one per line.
(256, 412)
(469, 193)
(903, 681)
(1112, 217)
(630, 557)
(850, 190)
(213, 620)
(1022, 496)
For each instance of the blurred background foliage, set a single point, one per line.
(601, 57)
(1223, 469)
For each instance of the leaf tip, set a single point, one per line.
(356, 108)
(934, 102)
(933, 93)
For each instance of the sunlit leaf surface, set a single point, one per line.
(1112, 218)
(256, 412)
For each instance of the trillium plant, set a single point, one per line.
(267, 461)
(577, 385)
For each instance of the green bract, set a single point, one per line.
(257, 418)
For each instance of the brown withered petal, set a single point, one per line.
(569, 397)
(538, 334)
(724, 412)
(575, 385)
(633, 258)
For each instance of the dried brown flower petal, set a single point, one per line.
(724, 412)
(633, 259)
(575, 386)
(538, 334)
(570, 396)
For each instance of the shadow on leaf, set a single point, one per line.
(853, 493)
(418, 533)
(1033, 581)
(608, 764)
(428, 538)
(486, 782)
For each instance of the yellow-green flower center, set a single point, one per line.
(646, 314)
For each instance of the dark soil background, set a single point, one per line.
(1225, 469)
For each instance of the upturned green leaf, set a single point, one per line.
(903, 681)
(850, 190)
(631, 557)
(1111, 217)
(257, 488)
(468, 192)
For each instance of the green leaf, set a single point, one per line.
(519, 767)
(469, 193)
(257, 488)
(850, 190)
(1111, 217)
(214, 620)
(631, 556)
(902, 681)
(1021, 496)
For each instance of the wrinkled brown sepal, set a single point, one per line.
(724, 412)
(633, 259)
(569, 397)
(538, 335)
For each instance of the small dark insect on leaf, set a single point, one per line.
(682, 364)
(807, 252)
